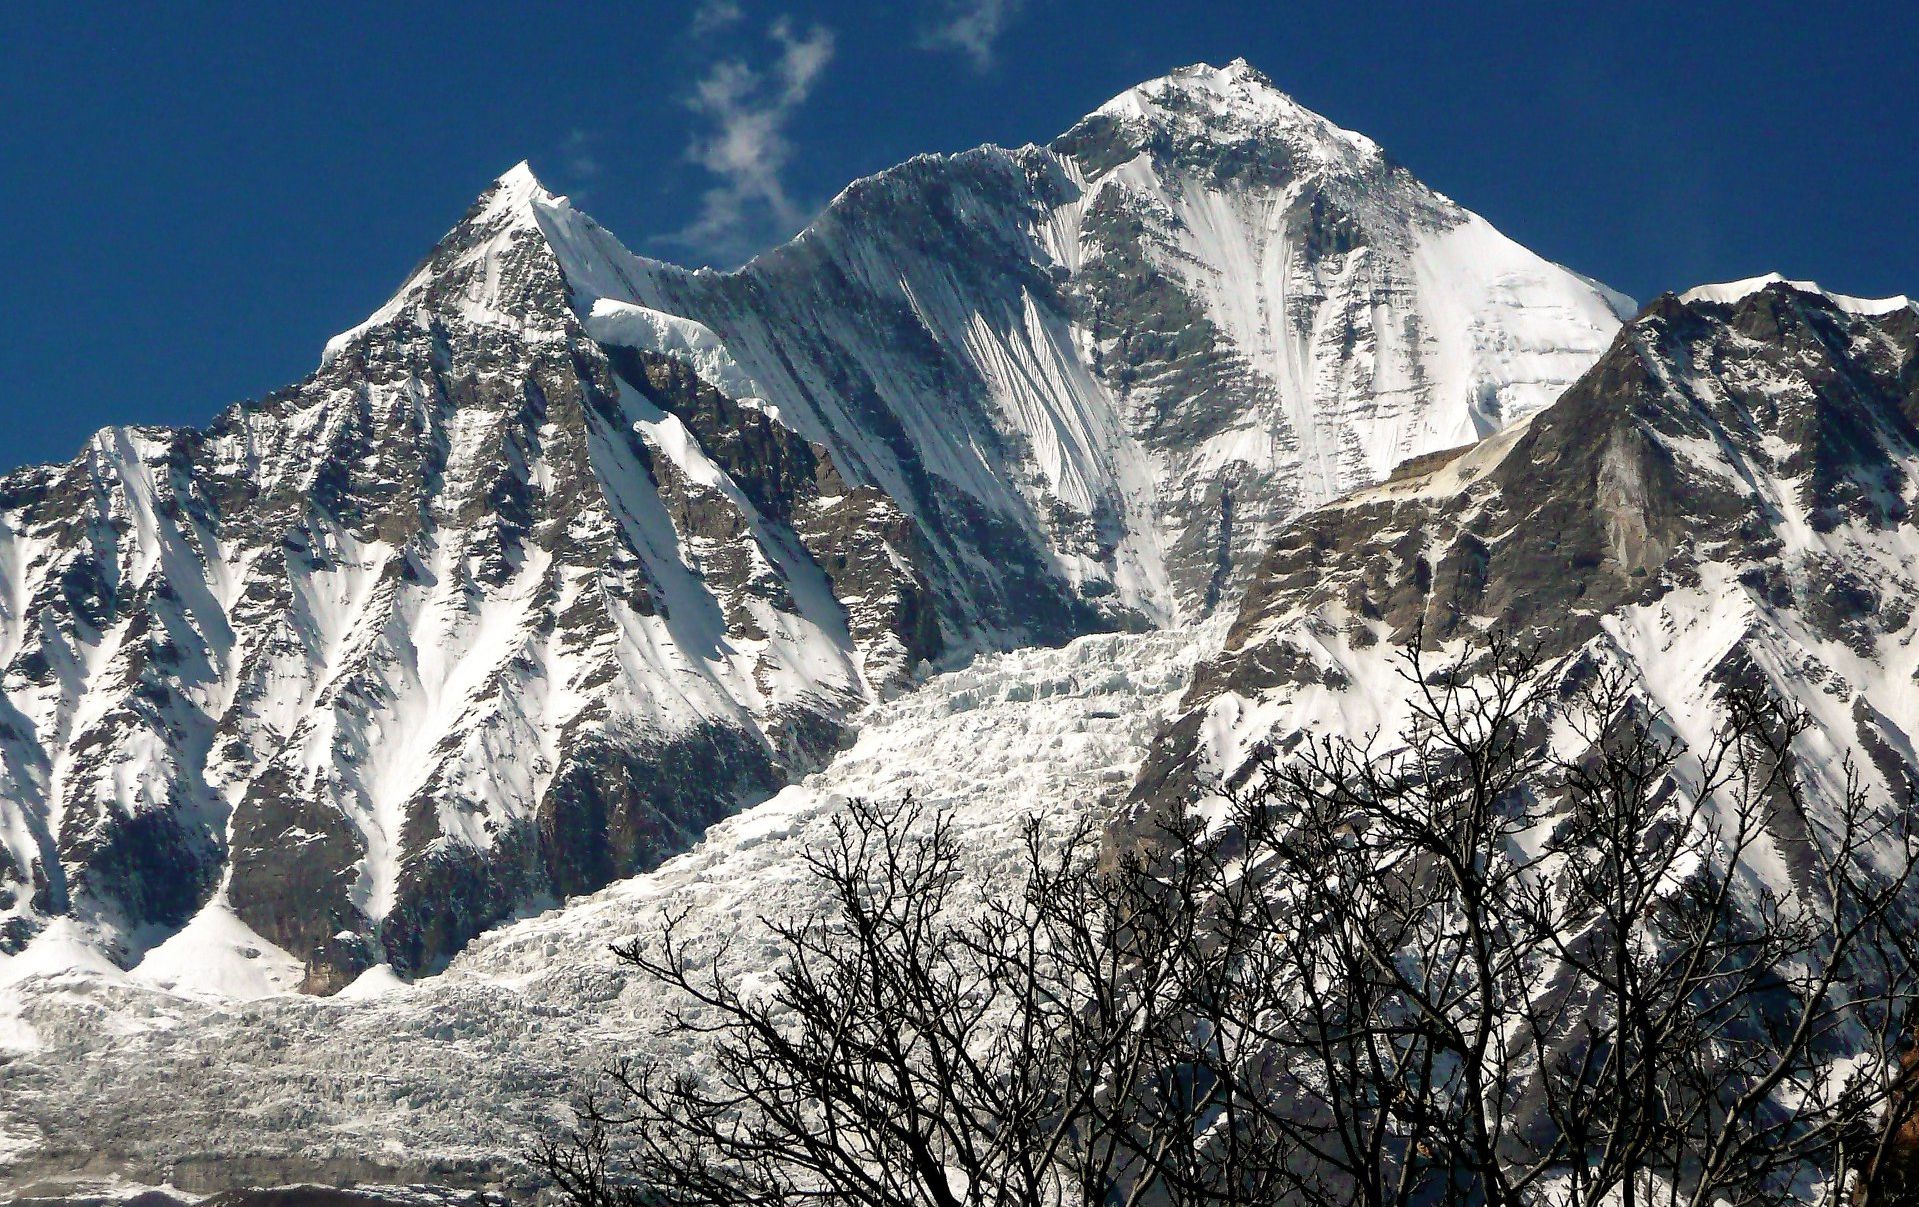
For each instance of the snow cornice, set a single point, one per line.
(1732, 292)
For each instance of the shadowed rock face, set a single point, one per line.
(564, 554)
(868, 548)
(1725, 497)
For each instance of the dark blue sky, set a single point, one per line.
(195, 199)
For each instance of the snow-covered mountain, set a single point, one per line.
(564, 554)
(1135, 351)
(1727, 494)
(1726, 498)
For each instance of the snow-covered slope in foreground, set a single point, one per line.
(441, 1080)
(565, 554)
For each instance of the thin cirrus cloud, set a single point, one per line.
(711, 16)
(577, 153)
(971, 27)
(745, 111)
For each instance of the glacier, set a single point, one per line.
(199, 1080)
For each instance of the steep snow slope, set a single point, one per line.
(564, 554)
(207, 1085)
(1199, 311)
(1356, 317)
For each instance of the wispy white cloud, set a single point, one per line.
(577, 154)
(710, 16)
(970, 27)
(747, 110)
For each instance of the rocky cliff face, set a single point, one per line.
(1726, 497)
(564, 554)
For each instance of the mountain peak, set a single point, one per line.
(518, 177)
(1233, 104)
(515, 190)
(495, 267)
(1238, 85)
(1239, 71)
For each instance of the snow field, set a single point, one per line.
(410, 1082)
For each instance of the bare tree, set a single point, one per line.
(1536, 949)
(1538, 966)
(906, 1051)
